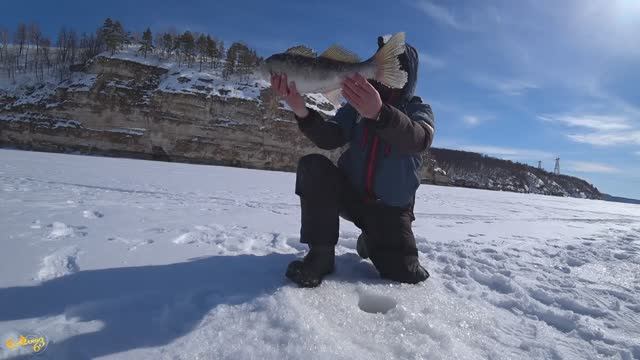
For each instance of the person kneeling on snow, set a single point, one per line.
(376, 179)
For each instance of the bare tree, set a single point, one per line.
(72, 40)
(20, 38)
(90, 45)
(34, 37)
(45, 44)
(4, 40)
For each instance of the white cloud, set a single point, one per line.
(596, 122)
(608, 130)
(508, 86)
(431, 62)
(608, 138)
(440, 14)
(591, 167)
(471, 120)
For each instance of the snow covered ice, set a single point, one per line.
(129, 259)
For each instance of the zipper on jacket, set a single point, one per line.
(371, 169)
(365, 137)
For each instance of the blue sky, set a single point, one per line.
(524, 80)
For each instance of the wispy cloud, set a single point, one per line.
(607, 130)
(431, 62)
(440, 14)
(607, 138)
(591, 167)
(595, 122)
(507, 86)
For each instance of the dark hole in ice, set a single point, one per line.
(376, 304)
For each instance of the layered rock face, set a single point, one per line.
(124, 108)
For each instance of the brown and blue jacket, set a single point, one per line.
(384, 158)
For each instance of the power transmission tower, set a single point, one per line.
(557, 168)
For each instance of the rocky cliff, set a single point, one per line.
(126, 106)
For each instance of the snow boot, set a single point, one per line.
(319, 262)
(361, 246)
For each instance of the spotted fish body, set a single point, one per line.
(325, 73)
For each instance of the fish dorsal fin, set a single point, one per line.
(301, 50)
(336, 52)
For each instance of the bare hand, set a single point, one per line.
(362, 96)
(288, 91)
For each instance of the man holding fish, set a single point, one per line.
(374, 184)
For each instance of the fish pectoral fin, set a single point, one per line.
(302, 51)
(336, 52)
(334, 97)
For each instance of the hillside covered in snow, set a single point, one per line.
(130, 259)
(468, 169)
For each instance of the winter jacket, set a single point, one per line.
(384, 157)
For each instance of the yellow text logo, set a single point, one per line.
(37, 343)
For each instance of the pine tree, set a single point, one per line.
(201, 46)
(188, 46)
(240, 60)
(212, 50)
(167, 44)
(114, 35)
(230, 62)
(124, 37)
(109, 35)
(146, 45)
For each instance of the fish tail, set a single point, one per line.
(387, 64)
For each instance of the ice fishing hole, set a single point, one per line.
(376, 304)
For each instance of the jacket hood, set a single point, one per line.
(409, 63)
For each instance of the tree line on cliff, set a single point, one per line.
(27, 50)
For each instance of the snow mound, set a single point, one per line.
(60, 263)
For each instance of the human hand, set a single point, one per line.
(362, 96)
(288, 91)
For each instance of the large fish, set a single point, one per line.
(325, 73)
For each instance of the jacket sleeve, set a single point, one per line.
(411, 133)
(328, 134)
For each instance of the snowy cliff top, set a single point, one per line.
(180, 78)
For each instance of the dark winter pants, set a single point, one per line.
(325, 194)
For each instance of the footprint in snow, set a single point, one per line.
(92, 214)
